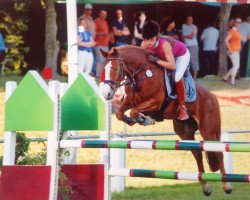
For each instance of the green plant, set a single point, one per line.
(15, 25)
(22, 145)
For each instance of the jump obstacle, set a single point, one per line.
(59, 110)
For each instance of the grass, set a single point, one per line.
(234, 117)
(190, 191)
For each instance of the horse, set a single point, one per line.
(146, 97)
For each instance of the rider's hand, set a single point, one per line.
(153, 59)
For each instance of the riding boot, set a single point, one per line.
(182, 111)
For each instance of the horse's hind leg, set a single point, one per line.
(189, 135)
(211, 132)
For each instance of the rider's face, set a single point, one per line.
(150, 42)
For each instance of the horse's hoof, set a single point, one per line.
(207, 189)
(208, 192)
(229, 191)
(227, 187)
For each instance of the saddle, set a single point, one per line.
(190, 88)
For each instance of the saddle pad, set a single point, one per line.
(189, 86)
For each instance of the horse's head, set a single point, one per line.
(113, 73)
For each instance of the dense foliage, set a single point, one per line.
(14, 26)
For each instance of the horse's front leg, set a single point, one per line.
(126, 105)
(147, 106)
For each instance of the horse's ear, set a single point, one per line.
(104, 53)
(114, 52)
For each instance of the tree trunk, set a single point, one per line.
(51, 43)
(225, 11)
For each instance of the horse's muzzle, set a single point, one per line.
(107, 91)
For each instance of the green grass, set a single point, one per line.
(190, 191)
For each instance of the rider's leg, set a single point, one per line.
(182, 111)
(181, 66)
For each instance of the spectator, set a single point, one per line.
(101, 39)
(210, 36)
(2, 48)
(85, 43)
(245, 30)
(169, 29)
(138, 28)
(245, 37)
(233, 43)
(120, 29)
(189, 35)
(87, 15)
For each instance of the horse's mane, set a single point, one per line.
(131, 50)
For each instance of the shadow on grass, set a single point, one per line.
(191, 191)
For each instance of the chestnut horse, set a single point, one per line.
(147, 100)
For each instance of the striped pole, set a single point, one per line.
(192, 176)
(212, 146)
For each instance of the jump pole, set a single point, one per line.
(211, 146)
(191, 176)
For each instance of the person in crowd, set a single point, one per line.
(245, 30)
(101, 39)
(170, 54)
(120, 29)
(87, 15)
(85, 43)
(233, 43)
(2, 48)
(245, 38)
(169, 29)
(189, 36)
(210, 37)
(138, 28)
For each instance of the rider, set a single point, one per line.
(170, 54)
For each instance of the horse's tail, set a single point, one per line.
(212, 159)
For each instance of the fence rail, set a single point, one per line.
(124, 135)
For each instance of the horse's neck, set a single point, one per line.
(134, 60)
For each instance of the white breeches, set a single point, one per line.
(181, 64)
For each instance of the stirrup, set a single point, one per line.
(182, 107)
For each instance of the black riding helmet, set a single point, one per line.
(150, 29)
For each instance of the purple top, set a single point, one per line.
(178, 48)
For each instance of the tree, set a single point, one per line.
(14, 24)
(51, 44)
(225, 11)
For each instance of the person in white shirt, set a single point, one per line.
(210, 36)
(245, 38)
(245, 30)
(189, 36)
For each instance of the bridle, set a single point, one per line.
(121, 73)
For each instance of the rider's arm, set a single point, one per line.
(170, 61)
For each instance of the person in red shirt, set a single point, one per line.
(101, 39)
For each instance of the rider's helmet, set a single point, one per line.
(150, 29)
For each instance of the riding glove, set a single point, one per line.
(153, 59)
